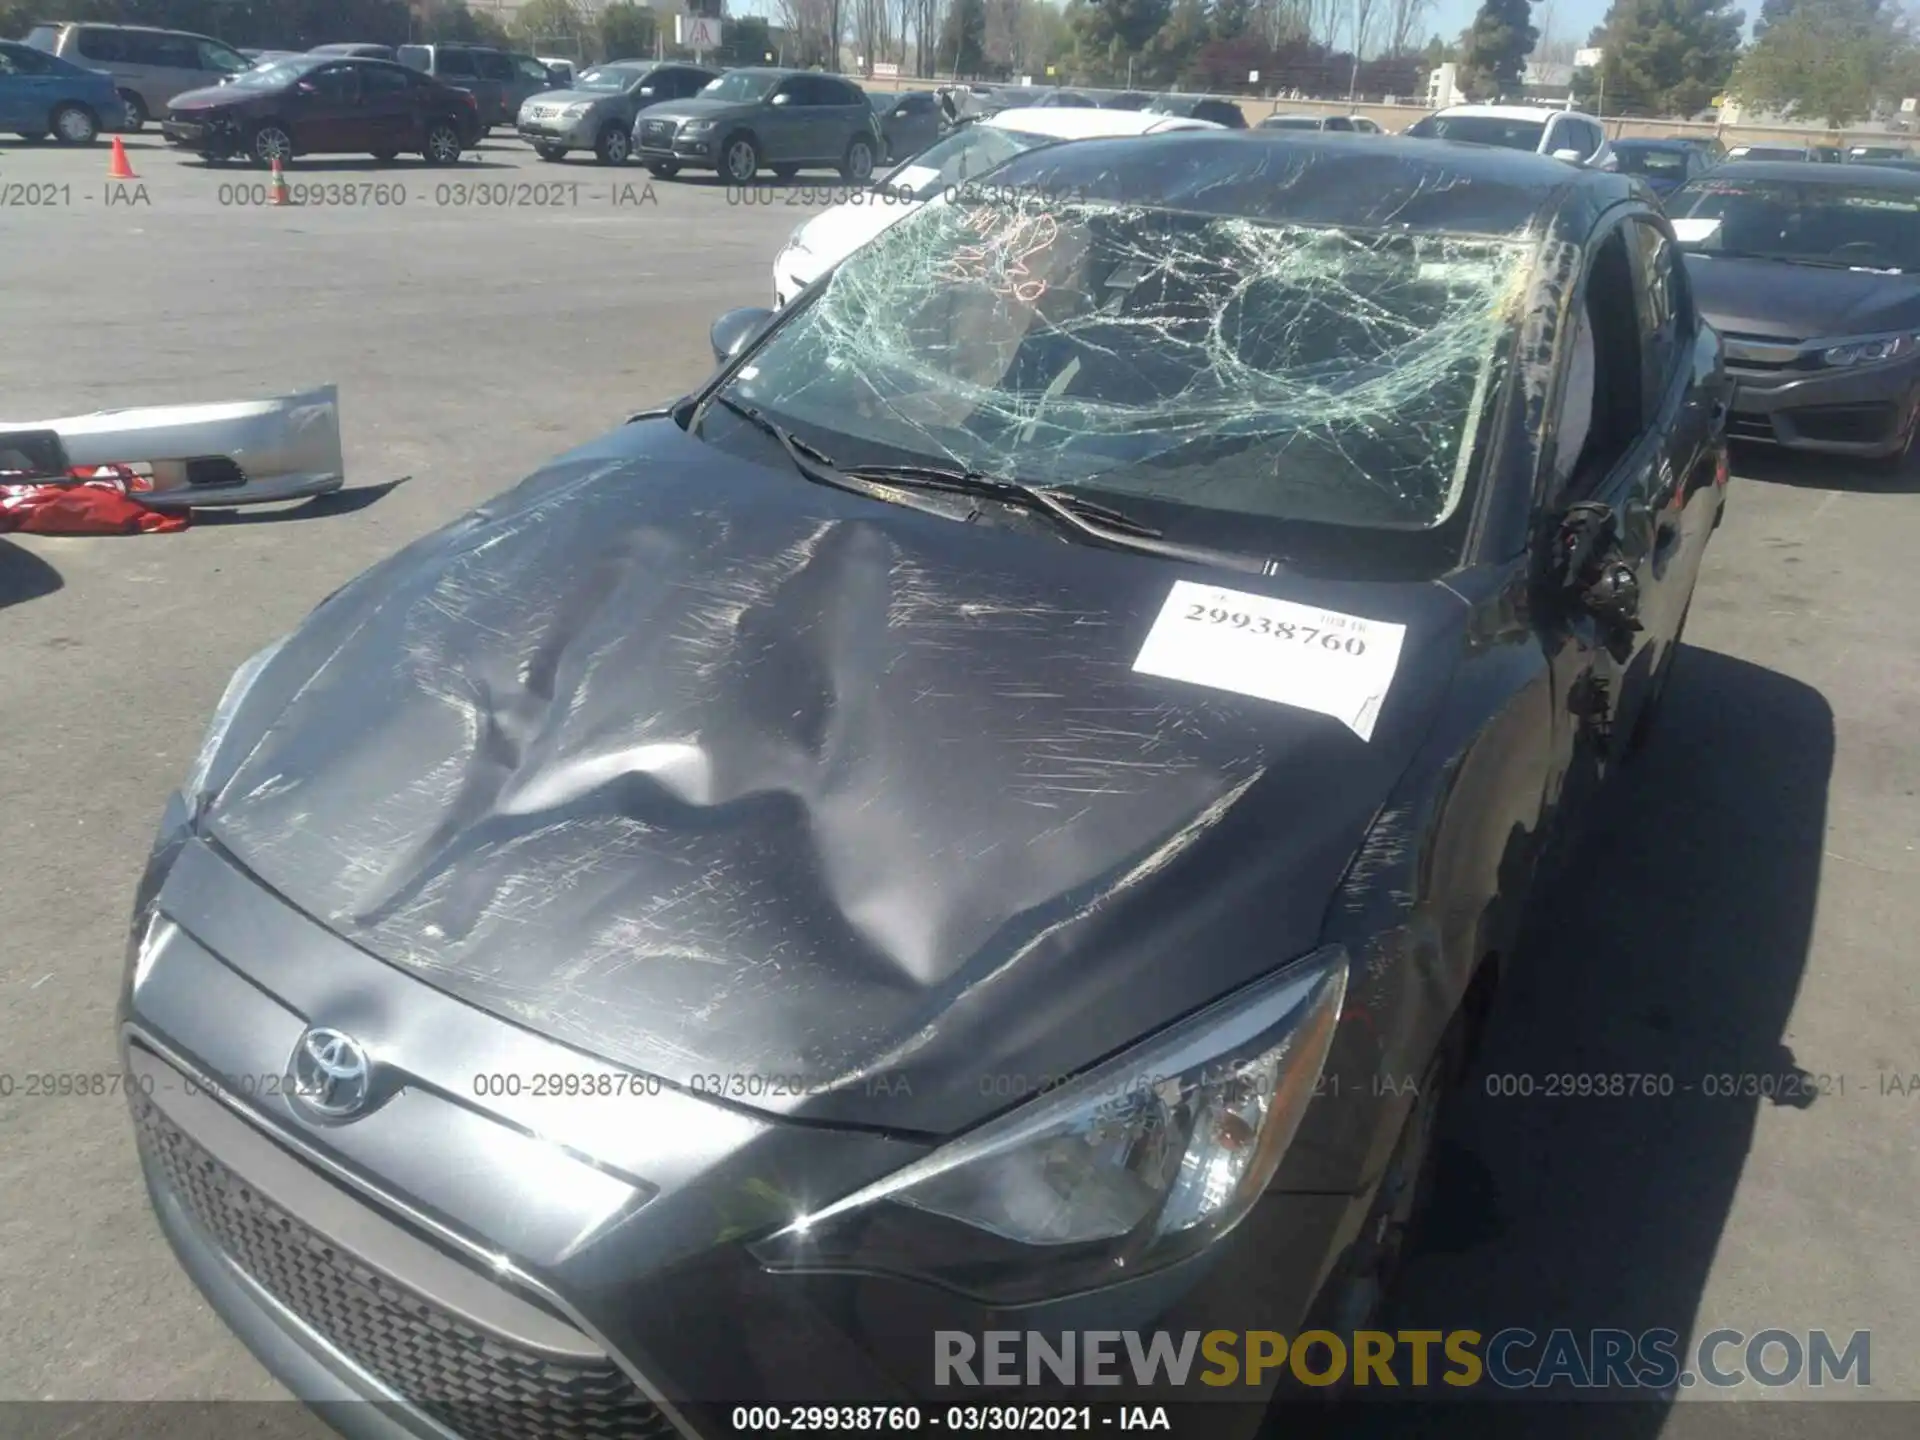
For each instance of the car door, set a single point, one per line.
(1602, 466)
(326, 112)
(18, 100)
(387, 108)
(848, 113)
(496, 86)
(792, 120)
(455, 68)
(1689, 416)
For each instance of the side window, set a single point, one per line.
(211, 55)
(796, 89)
(9, 65)
(384, 80)
(493, 65)
(531, 69)
(176, 52)
(101, 45)
(1661, 305)
(1339, 122)
(337, 82)
(455, 64)
(1603, 407)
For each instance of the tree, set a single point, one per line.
(1177, 42)
(963, 39)
(1666, 57)
(1496, 49)
(551, 24)
(1109, 33)
(626, 31)
(1230, 19)
(1828, 60)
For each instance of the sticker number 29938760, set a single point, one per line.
(1299, 655)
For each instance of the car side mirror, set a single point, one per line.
(735, 330)
(1572, 157)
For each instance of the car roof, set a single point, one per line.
(1335, 178)
(1064, 123)
(1854, 177)
(1514, 112)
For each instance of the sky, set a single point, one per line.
(1572, 19)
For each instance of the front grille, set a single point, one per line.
(483, 1387)
(657, 132)
(214, 471)
(1844, 424)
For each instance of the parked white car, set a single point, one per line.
(1564, 134)
(823, 241)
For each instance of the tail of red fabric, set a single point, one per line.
(88, 508)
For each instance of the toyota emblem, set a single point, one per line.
(331, 1073)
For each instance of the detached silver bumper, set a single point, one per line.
(246, 452)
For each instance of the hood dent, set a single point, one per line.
(703, 783)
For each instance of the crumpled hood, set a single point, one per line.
(830, 806)
(1800, 302)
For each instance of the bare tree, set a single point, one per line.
(1404, 20)
(1363, 18)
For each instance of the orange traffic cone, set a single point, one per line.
(118, 168)
(280, 195)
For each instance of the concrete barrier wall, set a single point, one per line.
(1398, 117)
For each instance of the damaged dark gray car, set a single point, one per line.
(1002, 811)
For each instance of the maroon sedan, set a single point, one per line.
(325, 105)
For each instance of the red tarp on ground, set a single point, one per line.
(88, 507)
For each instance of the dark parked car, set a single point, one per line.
(1813, 276)
(1129, 100)
(356, 49)
(1708, 145)
(789, 120)
(1200, 107)
(1332, 124)
(597, 111)
(713, 914)
(1664, 164)
(1809, 154)
(323, 105)
(41, 95)
(909, 122)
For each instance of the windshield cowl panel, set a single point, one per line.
(1286, 372)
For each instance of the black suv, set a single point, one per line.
(786, 120)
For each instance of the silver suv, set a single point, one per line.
(786, 120)
(149, 67)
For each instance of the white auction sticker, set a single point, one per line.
(1299, 655)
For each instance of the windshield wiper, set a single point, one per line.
(1080, 517)
(812, 462)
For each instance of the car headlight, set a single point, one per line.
(696, 127)
(1132, 1166)
(1869, 350)
(223, 713)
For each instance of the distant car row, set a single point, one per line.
(150, 67)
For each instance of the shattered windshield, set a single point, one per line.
(1264, 368)
(1807, 222)
(961, 156)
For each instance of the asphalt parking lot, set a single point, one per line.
(1755, 883)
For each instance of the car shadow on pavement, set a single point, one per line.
(1771, 466)
(320, 507)
(1673, 953)
(344, 165)
(24, 576)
